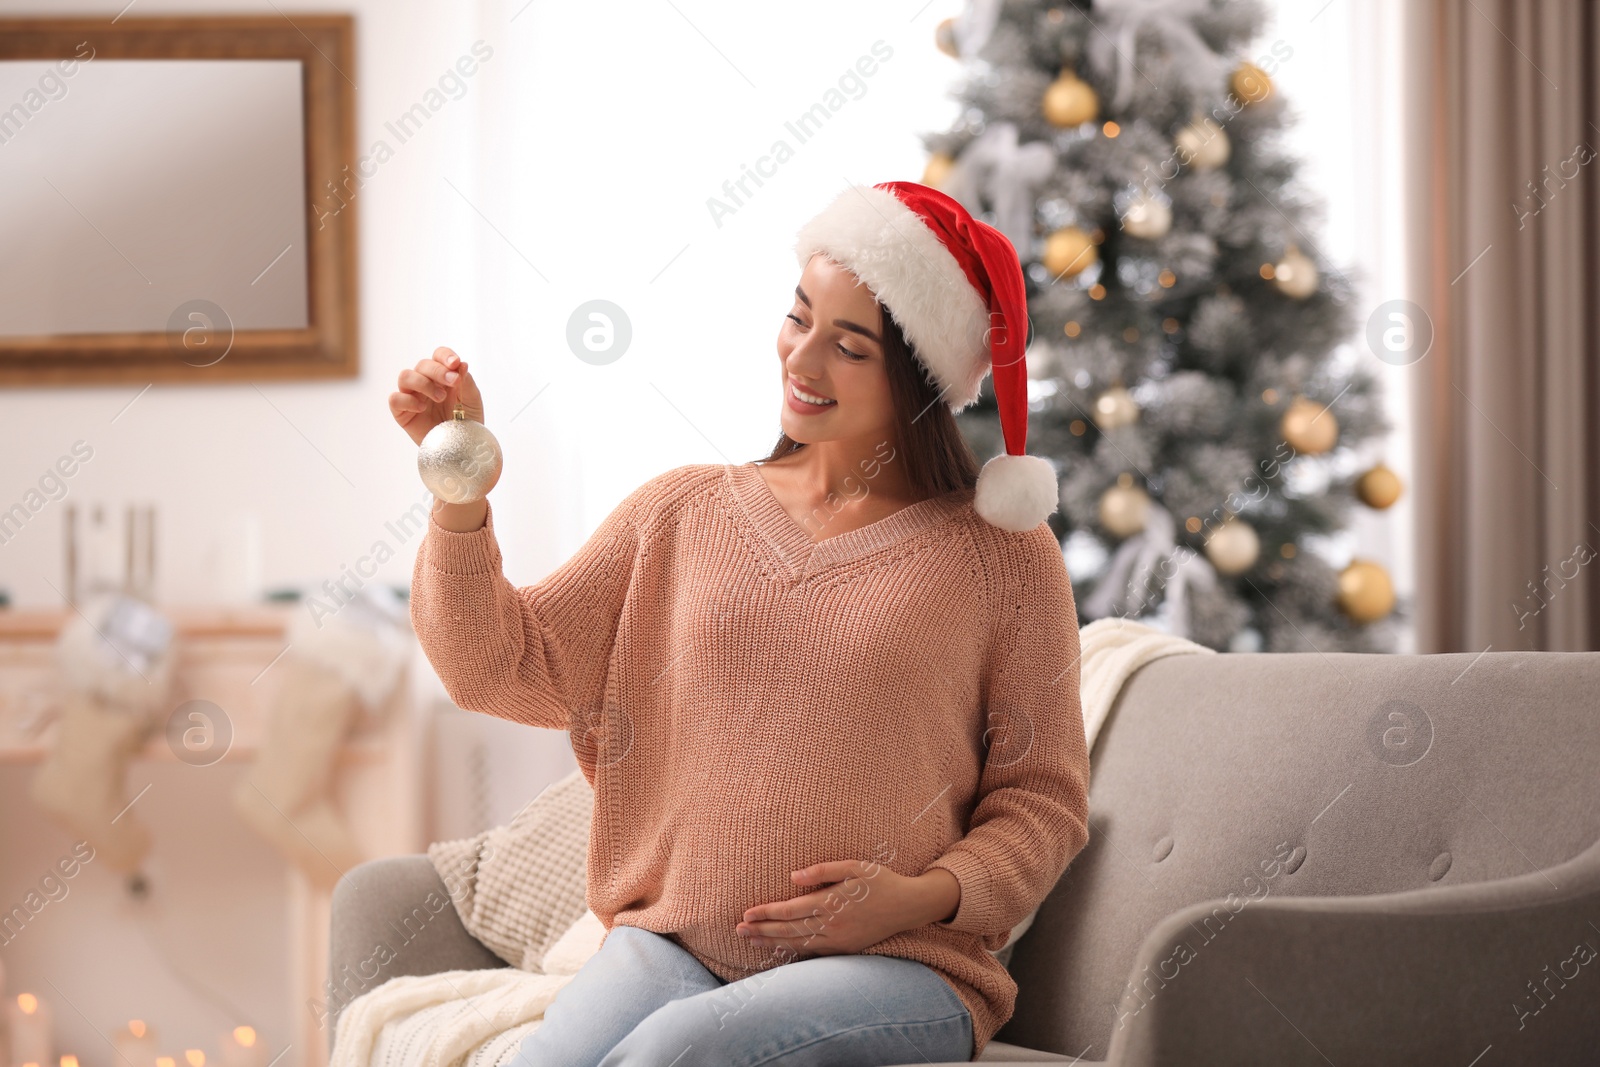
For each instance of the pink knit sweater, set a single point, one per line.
(746, 701)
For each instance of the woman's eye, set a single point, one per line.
(856, 356)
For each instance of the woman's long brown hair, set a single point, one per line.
(937, 457)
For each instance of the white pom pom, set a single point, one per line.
(1016, 493)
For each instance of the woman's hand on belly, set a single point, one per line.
(862, 903)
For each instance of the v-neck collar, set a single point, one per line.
(792, 546)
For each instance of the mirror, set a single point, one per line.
(160, 220)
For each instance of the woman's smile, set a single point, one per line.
(805, 402)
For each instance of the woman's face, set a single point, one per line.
(830, 347)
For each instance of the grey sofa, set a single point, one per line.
(1294, 859)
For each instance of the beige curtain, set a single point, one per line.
(1504, 243)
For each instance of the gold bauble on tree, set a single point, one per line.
(1378, 487)
(1365, 592)
(944, 35)
(938, 169)
(1115, 407)
(1295, 275)
(1148, 216)
(1070, 101)
(1233, 547)
(1251, 84)
(1124, 507)
(1203, 144)
(1309, 427)
(1069, 252)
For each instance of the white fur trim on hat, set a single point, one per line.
(1016, 493)
(874, 235)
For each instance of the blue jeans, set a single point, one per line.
(643, 999)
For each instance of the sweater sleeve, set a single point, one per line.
(1031, 815)
(537, 654)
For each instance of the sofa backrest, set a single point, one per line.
(1304, 774)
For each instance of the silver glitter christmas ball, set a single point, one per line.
(459, 459)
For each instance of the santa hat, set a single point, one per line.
(954, 286)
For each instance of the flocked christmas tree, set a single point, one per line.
(1192, 373)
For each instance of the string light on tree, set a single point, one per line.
(1070, 101)
(944, 36)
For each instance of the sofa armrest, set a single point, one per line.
(390, 917)
(1435, 975)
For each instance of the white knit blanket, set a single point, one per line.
(1111, 650)
(458, 1018)
(479, 1018)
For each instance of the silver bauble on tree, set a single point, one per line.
(1124, 507)
(1115, 407)
(1233, 547)
(459, 459)
(1295, 274)
(1203, 144)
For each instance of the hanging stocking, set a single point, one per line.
(115, 657)
(336, 664)
(284, 798)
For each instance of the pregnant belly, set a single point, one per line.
(723, 862)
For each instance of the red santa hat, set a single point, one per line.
(954, 286)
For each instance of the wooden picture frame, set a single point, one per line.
(329, 346)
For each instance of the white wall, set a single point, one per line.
(591, 140)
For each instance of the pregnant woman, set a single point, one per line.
(828, 701)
